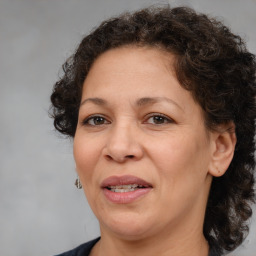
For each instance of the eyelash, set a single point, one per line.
(165, 118)
(93, 118)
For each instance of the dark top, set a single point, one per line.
(81, 250)
(84, 250)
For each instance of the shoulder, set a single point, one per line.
(81, 250)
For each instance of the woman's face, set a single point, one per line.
(141, 148)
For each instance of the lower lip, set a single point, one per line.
(125, 197)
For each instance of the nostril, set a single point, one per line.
(119, 159)
(108, 157)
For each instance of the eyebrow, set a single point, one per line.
(153, 100)
(96, 101)
(140, 102)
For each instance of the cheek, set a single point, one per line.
(86, 155)
(181, 173)
(171, 153)
(181, 159)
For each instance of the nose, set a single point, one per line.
(123, 144)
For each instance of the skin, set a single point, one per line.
(173, 152)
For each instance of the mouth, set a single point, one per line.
(123, 183)
(125, 189)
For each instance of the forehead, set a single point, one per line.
(130, 73)
(123, 78)
(130, 64)
(147, 55)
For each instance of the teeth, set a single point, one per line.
(122, 190)
(125, 188)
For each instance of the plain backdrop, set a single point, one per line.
(41, 211)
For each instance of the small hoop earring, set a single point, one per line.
(78, 183)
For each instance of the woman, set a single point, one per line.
(161, 106)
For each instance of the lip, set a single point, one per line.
(125, 197)
(124, 180)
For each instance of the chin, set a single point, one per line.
(128, 227)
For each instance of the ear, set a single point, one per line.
(223, 147)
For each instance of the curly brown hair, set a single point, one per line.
(215, 66)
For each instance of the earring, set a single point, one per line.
(78, 183)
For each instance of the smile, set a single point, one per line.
(125, 188)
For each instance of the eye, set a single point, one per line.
(159, 119)
(95, 121)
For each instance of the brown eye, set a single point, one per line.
(158, 119)
(95, 120)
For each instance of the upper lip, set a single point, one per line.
(124, 180)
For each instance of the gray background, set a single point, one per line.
(42, 213)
